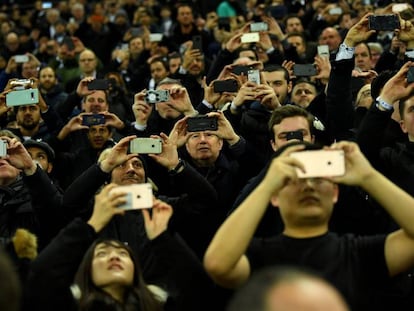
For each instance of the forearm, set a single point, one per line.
(398, 203)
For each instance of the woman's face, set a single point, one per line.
(112, 266)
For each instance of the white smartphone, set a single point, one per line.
(253, 76)
(21, 58)
(321, 163)
(155, 37)
(323, 50)
(250, 37)
(138, 196)
(145, 145)
(399, 7)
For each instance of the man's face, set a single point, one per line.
(166, 110)
(128, 173)
(196, 66)
(98, 136)
(276, 79)
(407, 122)
(331, 37)
(40, 156)
(12, 42)
(204, 148)
(303, 94)
(87, 62)
(47, 78)
(298, 43)
(290, 124)
(95, 102)
(249, 54)
(136, 46)
(185, 15)
(307, 201)
(362, 57)
(30, 70)
(28, 117)
(158, 71)
(294, 25)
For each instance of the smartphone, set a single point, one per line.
(69, 43)
(155, 37)
(145, 145)
(202, 123)
(93, 119)
(323, 50)
(254, 76)
(304, 70)
(22, 97)
(20, 84)
(399, 7)
(135, 31)
(156, 96)
(46, 5)
(197, 43)
(138, 196)
(410, 75)
(383, 22)
(321, 163)
(335, 11)
(229, 85)
(239, 69)
(98, 84)
(250, 37)
(3, 148)
(257, 27)
(21, 58)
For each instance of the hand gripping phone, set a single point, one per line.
(138, 196)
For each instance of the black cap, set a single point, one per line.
(42, 145)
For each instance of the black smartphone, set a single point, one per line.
(197, 43)
(202, 123)
(93, 119)
(69, 43)
(410, 75)
(98, 84)
(304, 70)
(239, 69)
(383, 22)
(229, 85)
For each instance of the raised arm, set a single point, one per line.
(399, 245)
(225, 259)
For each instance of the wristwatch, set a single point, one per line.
(178, 169)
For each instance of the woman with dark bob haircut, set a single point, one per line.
(80, 271)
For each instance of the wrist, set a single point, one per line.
(179, 167)
(31, 170)
(383, 104)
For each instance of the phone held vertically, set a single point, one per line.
(202, 123)
(138, 196)
(145, 145)
(320, 163)
(254, 76)
(3, 148)
(22, 97)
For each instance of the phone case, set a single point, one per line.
(138, 196)
(22, 97)
(229, 85)
(304, 70)
(321, 163)
(250, 37)
(145, 145)
(202, 123)
(98, 84)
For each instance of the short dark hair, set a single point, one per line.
(289, 111)
(162, 60)
(402, 103)
(274, 67)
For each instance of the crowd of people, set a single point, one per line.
(230, 91)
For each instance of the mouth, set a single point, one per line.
(115, 267)
(310, 200)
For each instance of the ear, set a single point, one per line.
(313, 139)
(290, 86)
(273, 144)
(274, 201)
(336, 193)
(403, 127)
(49, 168)
(220, 143)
